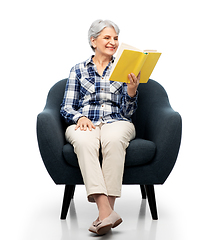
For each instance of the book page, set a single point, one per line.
(149, 51)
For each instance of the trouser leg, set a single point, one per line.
(86, 146)
(115, 139)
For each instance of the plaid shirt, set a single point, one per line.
(95, 97)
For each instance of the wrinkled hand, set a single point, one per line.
(133, 85)
(84, 123)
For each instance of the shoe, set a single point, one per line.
(92, 228)
(115, 219)
(102, 227)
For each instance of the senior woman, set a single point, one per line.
(98, 113)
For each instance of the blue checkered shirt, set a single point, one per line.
(95, 97)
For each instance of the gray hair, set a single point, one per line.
(96, 28)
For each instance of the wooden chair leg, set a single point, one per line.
(68, 195)
(143, 192)
(152, 201)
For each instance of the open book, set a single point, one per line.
(131, 60)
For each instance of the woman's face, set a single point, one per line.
(106, 43)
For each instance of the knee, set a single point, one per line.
(114, 142)
(86, 143)
(82, 139)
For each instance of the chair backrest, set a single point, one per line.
(55, 95)
(151, 96)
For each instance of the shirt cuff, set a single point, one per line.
(76, 117)
(132, 99)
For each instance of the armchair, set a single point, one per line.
(150, 157)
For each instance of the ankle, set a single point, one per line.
(104, 213)
(112, 201)
(104, 206)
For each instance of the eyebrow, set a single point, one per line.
(109, 35)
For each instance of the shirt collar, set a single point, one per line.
(90, 60)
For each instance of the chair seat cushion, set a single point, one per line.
(139, 152)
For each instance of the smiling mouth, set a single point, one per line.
(112, 48)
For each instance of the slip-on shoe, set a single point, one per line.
(92, 228)
(115, 219)
(104, 225)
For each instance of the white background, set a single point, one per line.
(40, 42)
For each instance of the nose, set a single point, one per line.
(112, 42)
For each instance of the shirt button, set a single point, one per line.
(102, 78)
(102, 89)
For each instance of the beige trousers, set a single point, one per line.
(114, 139)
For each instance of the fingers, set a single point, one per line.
(133, 79)
(90, 127)
(84, 123)
(138, 76)
(77, 126)
(133, 85)
(130, 78)
(83, 127)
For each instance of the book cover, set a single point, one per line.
(131, 60)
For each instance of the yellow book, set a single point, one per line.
(132, 60)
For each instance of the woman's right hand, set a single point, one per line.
(84, 123)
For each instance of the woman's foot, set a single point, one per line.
(93, 226)
(104, 226)
(115, 219)
(103, 206)
(107, 217)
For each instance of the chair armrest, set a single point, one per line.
(164, 127)
(50, 135)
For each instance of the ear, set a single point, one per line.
(93, 42)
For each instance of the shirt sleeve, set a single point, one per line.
(70, 104)
(128, 104)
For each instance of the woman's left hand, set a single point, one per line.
(134, 83)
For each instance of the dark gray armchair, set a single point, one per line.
(149, 158)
